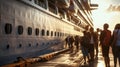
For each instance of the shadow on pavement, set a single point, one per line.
(91, 64)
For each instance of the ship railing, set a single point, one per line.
(63, 3)
(38, 2)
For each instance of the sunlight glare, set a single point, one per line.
(100, 65)
(101, 16)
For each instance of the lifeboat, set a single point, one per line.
(63, 3)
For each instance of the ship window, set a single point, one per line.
(36, 44)
(29, 31)
(47, 32)
(48, 43)
(51, 33)
(29, 45)
(8, 28)
(58, 34)
(43, 32)
(7, 46)
(20, 45)
(55, 33)
(52, 7)
(20, 30)
(41, 3)
(37, 31)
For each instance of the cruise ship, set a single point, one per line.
(31, 28)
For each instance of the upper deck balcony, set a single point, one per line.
(88, 5)
(63, 3)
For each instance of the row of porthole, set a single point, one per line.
(20, 45)
(29, 45)
(8, 30)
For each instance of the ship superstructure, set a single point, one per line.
(30, 28)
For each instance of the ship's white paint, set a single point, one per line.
(27, 14)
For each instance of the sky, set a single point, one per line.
(101, 15)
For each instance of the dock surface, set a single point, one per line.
(74, 59)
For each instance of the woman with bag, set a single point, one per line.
(116, 44)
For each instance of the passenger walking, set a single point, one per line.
(67, 43)
(77, 41)
(116, 44)
(71, 41)
(105, 36)
(67, 40)
(87, 34)
(93, 39)
(84, 46)
(97, 42)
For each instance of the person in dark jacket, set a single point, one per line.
(77, 39)
(84, 42)
(71, 40)
(105, 36)
(67, 43)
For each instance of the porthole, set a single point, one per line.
(51, 33)
(48, 43)
(36, 31)
(29, 45)
(36, 44)
(29, 31)
(20, 45)
(58, 34)
(20, 30)
(55, 33)
(43, 32)
(47, 32)
(8, 28)
(7, 46)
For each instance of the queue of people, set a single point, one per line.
(91, 40)
(86, 43)
(72, 41)
(89, 44)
